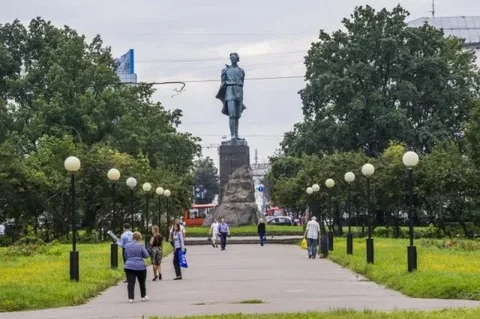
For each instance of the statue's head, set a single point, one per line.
(234, 57)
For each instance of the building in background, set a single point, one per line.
(259, 170)
(126, 67)
(467, 28)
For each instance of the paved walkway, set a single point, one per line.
(282, 276)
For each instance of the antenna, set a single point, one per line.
(433, 9)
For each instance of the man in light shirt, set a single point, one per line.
(125, 239)
(312, 234)
(214, 233)
(2, 229)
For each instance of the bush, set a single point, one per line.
(30, 240)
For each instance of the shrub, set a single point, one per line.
(29, 240)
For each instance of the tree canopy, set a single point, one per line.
(206, 181)
(379, 80)
(60, 96)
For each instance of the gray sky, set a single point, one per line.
(272, 37)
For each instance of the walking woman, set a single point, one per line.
(214, 233)
(135, 267)
(156, 243)
(179, 245)
(261, 231)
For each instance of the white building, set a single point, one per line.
(464, 27)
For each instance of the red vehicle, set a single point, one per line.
(275, 211)
(195, 215)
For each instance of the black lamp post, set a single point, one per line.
(367, 171)
(167, 194)
(159, 192)
(349, 178)
(330, 183)
(72, 165)
(132, 183)
(410, 159)
(113, 175)
(147, 187)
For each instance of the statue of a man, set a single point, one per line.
(231, 94)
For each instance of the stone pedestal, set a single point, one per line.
(237, 190)
(232, 156)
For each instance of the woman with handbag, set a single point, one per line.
(179, 245)
(156, 243)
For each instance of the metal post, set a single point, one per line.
(74, 256)
(132, 213)
(159, 211)
(349, 235)
(370, 249)
(167, 231)
(411, 250)
(114, 246)
(330, 233)
(146, 211)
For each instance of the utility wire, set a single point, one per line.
(187, 60)
(251, 79)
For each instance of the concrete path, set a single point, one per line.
(243, 240)
(281, 276)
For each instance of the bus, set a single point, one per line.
(275, 211)
(195, 215)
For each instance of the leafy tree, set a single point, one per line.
(206, 179)
(60, 96)
(380, 80)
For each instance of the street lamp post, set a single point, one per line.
(113, 175)
(367, 171)
(159, 192)
(330, 183)
(167, 194)
(349, 178)
(72, 165)
(410, 159)
(132, 183)
(147, 187)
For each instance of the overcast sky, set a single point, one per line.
(190, 40)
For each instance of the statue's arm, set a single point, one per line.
(243, 76)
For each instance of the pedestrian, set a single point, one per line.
(175, 222)
(156, 243)
(224, 232)
(179, 245)
(312, 234)
(214, 233)
(2, 229)
(125, 239)
(135, 267)
(261, 228)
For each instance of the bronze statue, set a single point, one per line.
(231, 94)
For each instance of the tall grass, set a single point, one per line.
(444, 271)
(43, 280)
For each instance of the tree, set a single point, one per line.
(205, 180)
(379, 81)
(60, 96)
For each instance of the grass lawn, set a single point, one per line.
(43, 280)
(250, 230)
(449, 273)
(444, 314)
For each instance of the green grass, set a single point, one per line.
(43, 280)
(250, 230)
(447, 273)
(345, 314)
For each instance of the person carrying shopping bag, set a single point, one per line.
(178, 255)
